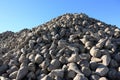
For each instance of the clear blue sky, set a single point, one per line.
(18, 14)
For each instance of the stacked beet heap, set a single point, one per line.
(69, 47)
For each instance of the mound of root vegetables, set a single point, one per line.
(69, 47)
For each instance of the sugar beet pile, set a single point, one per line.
(69, 47)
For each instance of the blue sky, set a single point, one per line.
(18, 14)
